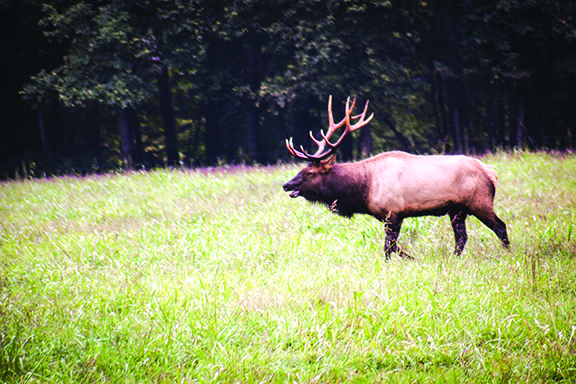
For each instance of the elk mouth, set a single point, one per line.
(295, 192)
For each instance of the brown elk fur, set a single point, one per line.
(395, 185)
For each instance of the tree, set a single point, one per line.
(25, 51)
(345, 48)
(522, 46)
(223, 80)
(116, 52)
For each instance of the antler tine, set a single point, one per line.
(294, 152)
(289, 147)
(348, 127)
(318, 142)
(361, 122)
(331, 128)
(320, 154)
(304, 155)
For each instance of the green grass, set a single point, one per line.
(218, 276)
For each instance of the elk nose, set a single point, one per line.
(286, 186)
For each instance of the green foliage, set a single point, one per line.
(452, 76)
(115, 51)
(512, 37)
(99, 65)
(216, 275)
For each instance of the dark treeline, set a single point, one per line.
(96, 84)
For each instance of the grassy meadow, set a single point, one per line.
(216, 275)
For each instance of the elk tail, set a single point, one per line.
(491, 173)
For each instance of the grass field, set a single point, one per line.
(218, 276)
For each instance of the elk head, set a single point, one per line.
(310, 181)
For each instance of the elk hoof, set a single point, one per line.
(404, 255)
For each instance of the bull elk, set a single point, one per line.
(394, 185)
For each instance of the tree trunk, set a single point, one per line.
(531, 115)
(443, 115)
(136, 129)
(433, 100)
(491, 114)
(460, 103)
(168, 117)
(551, 129)
(346, 149)
(252, 110)
(501, 118)
(79, 116)
(569, 114)
(452, 113)
(193, 141)
(457, 129)
(212, 134)
(92, 140)
(126, 138)
(43, 135)
(366, 148)
(389, 121)
(520, 122)
(252, 125)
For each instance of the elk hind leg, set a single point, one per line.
(458, 220)
(489, 219)
(499, 228)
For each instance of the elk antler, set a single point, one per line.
(319, 154)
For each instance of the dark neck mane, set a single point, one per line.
(346, 190)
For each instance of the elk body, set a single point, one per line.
(395, 185)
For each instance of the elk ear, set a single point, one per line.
(327, 164)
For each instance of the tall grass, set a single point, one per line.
(218, 276)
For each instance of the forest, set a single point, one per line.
(94, 85)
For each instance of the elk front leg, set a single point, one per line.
(393, 225)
